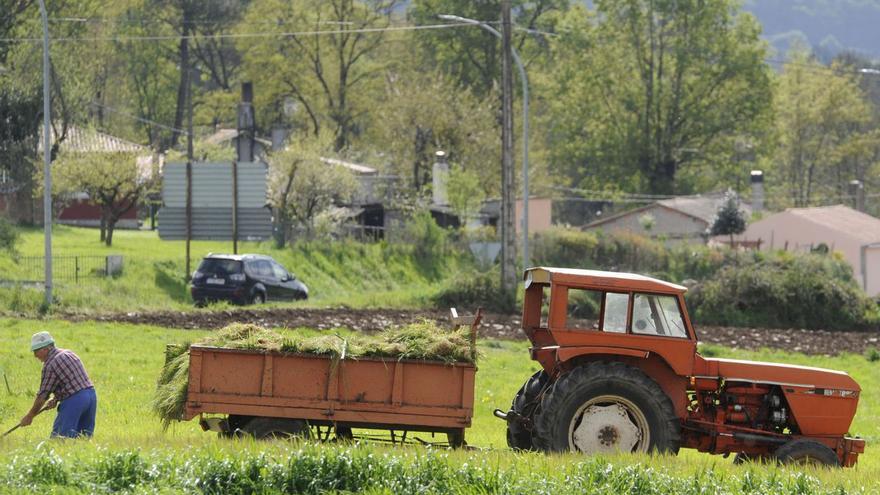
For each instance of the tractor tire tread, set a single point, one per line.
(549, 412)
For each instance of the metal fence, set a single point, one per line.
(64, 268)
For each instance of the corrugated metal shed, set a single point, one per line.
(212, 201)
(215, 223)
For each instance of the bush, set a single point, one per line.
(784, 290)
(8, 235)
(471, 290)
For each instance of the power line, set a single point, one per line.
(243, 35)
(140, 119)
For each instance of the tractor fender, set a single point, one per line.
(652, 365)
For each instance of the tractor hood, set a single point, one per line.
(778, 374)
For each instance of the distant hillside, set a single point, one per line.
(829, 26)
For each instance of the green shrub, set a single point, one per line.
(785, 290)
(471, 290)
(8, 235)
(872, 355)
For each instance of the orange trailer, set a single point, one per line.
(267, 394)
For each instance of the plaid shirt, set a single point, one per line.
(63, 375)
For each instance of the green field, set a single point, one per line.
(338, 273)
(130, 448)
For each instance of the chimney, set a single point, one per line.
(439, 175)
(244, 143)
(757, 180)
(857, 193)
(279, 135)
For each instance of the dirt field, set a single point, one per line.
(497, 326)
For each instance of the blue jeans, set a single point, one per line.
(76, 415)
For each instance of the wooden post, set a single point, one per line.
(234, 207)
(189, 160)
(507, 221)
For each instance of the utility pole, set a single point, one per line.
(47, 160)
(189, 165)
(508, 230)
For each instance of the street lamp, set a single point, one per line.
(525, 138)
(47, 160)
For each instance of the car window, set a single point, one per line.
(260, 268)
(657, 315)
(219, 266)
(616, 306)
(279, 271)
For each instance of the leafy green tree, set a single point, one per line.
(113, 181)
(652, 91)
(825, 137)
(324, 74)
(302, 186)
(471, 55)
(729, 219)
(465, 192)
(422, 112)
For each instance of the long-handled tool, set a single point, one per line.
(19, 425)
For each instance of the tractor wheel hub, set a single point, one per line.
(606, 429)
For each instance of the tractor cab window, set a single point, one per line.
(583, 309)
(657, 315)
(615, 312)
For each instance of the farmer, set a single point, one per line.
(65, 378)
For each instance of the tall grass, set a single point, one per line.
(294, 468)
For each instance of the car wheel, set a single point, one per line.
(258, 298)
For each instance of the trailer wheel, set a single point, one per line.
(606, 407)
(519, 437)
(271, 428)
(456, 438)
(803, 451)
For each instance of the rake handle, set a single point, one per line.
(19, 425)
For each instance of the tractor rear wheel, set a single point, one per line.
(272, 428)
(606, 407)
(519, 437)
(804, 451)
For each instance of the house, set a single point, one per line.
(854, 234)
(685, 218)
(540, 214)
(80, 211)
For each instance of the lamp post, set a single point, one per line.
(525, 138)
(47, 160)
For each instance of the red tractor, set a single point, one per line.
(621, 372)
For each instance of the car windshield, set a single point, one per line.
(219, 266)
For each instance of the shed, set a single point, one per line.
(854, 234)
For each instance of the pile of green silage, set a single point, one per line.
(422, 340)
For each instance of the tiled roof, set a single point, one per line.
(88, 140)
(702, 207)
(840, 218)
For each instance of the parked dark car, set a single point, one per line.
(244, 279)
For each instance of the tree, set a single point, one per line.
(302, 186)
(825, 136)
(472, 56)
(420, 113)
(113, 182)
(650, 91)
(323, 73)
(465, 192)
(729, 220)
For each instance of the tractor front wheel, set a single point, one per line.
(803, 451)
(606, 407)
(519, 435)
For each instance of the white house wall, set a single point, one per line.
(789, 231)
(667, 222)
